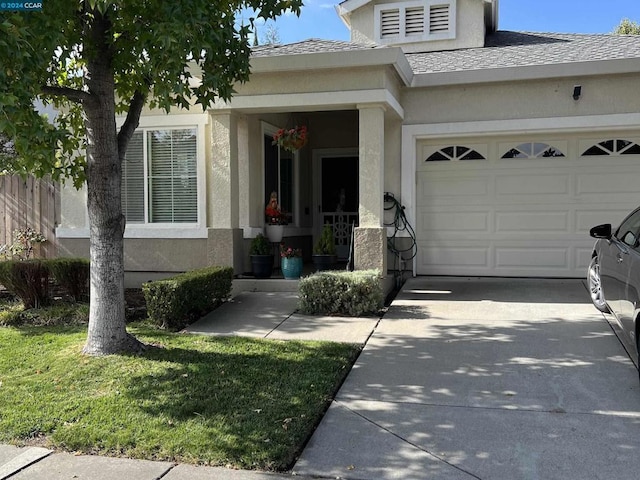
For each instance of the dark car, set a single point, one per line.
(614, 277)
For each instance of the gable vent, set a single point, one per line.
(414, 21)
(389, 23)
(439, 18)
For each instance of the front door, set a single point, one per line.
(336, 196)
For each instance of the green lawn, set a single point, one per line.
(239, 402)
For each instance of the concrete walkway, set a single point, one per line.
(273, 315)
(463, 378)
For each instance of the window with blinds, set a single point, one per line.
(415, 21)
(159, 177)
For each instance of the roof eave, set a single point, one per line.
(528, 72)
(391, 56)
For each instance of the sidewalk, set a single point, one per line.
(34, 463)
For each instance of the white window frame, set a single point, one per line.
(402, 37)
(176, 230)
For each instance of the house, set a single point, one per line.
(503, 147)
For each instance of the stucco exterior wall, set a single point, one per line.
(312, 81)
(470, 28)
(150, 258)
(392, 156)
(530, 99)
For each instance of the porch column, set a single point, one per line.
(224, 246)
(370, 238)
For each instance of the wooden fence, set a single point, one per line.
(29, 203)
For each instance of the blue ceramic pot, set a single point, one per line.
(291, 268)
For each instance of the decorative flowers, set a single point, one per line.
(289, 252)
(291, 139)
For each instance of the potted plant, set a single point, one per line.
(291, 262)
(324, 252)
(275, 219)
(261, 257)
(291, 139)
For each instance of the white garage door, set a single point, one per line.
(520, 207)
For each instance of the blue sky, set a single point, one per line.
(319, 19)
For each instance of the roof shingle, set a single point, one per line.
(505, 49)
(312, 45)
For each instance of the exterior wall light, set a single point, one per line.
(577, 91)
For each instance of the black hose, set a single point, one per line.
(400, 224)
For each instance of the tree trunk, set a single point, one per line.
(107, 332)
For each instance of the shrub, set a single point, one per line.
(260, 246)
(28, 280)
(175, 302)
(326, 244)
(62, 314)
(72, 274)
(344, 293)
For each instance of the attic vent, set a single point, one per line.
(414, 21)
(438, 18)
(405, 21)
(389, 23)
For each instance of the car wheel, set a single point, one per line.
(595, 286)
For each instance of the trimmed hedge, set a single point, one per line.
(176, 302)
(28, 280)
(344, 293)
(72, 274)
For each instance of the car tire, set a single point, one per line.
(638, 347)
(595, 286)
(638, 355)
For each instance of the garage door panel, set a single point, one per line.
(437, 187)
(601, 183)
(462, 222)
(443, 257)
(535, 184)
(531, 223)
(532, 258)
(586, 219)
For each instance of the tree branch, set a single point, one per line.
(131, 122)
(77, 96)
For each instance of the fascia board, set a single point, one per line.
(313, 101)
(344, 16)
(349, 6)
(530, 72)
(333, 60)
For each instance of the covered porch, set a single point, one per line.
(337, 178)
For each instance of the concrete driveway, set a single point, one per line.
(468, 378)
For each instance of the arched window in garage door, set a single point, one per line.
(454, 153)
(533, 150)
(613, 147)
